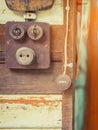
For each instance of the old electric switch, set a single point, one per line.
(28, 43)
(35, 32)
(17, 32)
(33, 50)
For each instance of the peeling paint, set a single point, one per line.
(30, 111)
(36, 102)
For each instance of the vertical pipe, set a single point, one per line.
(91, 120)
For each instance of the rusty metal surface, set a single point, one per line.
(41, 46)
(29, 5)
(30, 111)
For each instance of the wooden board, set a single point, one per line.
(43, 81)
(31, 111)
(57, 42)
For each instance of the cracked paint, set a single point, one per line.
(30, 111)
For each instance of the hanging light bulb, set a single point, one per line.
(63, 82)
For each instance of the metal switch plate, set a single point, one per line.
(27, 45)
(29, 5)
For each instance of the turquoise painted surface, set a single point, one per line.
(79, 108)
(80, 84)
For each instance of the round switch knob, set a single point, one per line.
(25, 56)
(35, 32)
(17, 32)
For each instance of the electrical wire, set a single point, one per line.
(66, 37)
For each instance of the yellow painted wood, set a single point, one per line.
(52, 16)
(31, 111)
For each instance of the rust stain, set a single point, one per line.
(79, 2)
(31, 5)
(35, 102)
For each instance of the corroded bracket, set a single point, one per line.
(29, 5)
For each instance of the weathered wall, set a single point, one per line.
(52, 16)
(30, 111)
(83, 11)
(43, 81)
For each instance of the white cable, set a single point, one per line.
(66, 37)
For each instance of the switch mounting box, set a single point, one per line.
(27, 45)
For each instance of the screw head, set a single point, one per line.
(17, 32)
(35, 32)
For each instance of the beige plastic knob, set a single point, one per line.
(35, 32)
(25, 56)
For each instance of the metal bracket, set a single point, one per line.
(29, 16)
